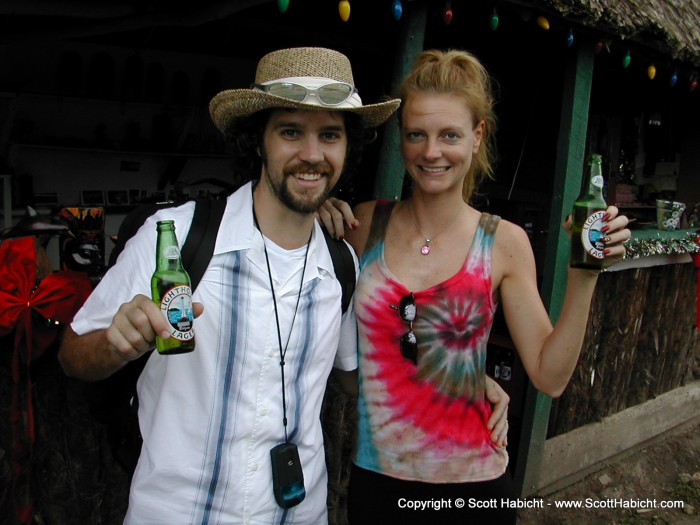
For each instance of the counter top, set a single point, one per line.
(652, 247)
(645, 243)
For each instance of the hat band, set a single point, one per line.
(314, 91)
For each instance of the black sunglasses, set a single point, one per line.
(408, 344)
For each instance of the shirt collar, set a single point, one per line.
(238, 232)
(237, 229)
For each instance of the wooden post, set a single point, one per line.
(388, 182)
(569, 166)
(6, 200)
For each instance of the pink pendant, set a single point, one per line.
(425, 249)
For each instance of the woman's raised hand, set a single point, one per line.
(334, 214)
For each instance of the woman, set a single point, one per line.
(433, 270)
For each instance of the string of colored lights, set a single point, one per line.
(543, 21)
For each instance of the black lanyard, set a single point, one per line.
(283, 352)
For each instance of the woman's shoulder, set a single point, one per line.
(367, 208)
(511, 238)
(508, 227)
(363, 212)
(512, 252)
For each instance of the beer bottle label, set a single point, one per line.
(592, 235)
(597, 181)
(176, 305)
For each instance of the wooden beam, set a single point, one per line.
(576, 454)
(172, 17)
(571, 150)
(388, 182)
(67, 8)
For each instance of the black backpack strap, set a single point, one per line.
(131, 224)
(344, 266)
(201, 239)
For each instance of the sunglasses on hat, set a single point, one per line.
(329, 94)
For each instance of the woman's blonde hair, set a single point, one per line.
(460, 73)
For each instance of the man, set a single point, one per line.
(269, 326)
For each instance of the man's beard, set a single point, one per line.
(293, 201)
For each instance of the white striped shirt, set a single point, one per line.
(209, 418)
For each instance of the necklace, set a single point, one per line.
(425, 249)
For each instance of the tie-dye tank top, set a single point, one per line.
(426, 422)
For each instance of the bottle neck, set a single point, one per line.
(594, 187)
(595, 182)
(167, 250)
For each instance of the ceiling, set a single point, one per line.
(236, 29)
(230, 27)
(224, 28)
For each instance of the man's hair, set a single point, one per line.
(244, 142)
(460, 73)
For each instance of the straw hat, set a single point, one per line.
(310, 67)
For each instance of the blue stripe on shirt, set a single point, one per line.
(226, 390)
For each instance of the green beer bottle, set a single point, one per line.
(589, 209)
(171, 291)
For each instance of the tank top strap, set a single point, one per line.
(380, 219)
(480, 252)
(488, 223)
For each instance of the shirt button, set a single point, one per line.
(264, 412)
(271, 353)
(255, 467)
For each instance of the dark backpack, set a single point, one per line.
(199, 244)
(113, 400)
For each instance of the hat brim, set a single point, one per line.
(236, 103)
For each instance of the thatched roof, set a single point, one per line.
(671, 27)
